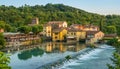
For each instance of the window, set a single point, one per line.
(55, 37)
(48, 31)
(56, 33)
(71, 33)
(74, 33)
(90, 36)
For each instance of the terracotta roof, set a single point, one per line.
(56, 22)
(78, 26)
(46, 25)
(91, 32)
(73, 30)
(58, 30)
(90, 26)
(75, 25)
(110, 35)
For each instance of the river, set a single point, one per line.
(47, 53)
(95, 59)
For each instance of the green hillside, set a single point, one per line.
(19, 16)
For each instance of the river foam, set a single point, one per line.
(85, 57)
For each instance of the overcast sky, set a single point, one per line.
(95, 6)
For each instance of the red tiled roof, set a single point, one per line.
(78, 26)
(56, 22)
(58, 30)
(53, 23)
(91, 32)
(110, 35)
(90, 26)
(73, 30)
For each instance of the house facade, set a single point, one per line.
(93, 36)
(35, 21)
(17, 39)
(52, 25)
(77, 26)
(110, 36)
(85, 27)
(59, 31)
(58, 23)
(48, 31)
(75, 35)
(91, 28)
(59, 34)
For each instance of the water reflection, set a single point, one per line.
(55, 47)
(63, 47)
(27, 54)
(34, 56)
(50, 47)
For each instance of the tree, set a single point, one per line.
(4, 61)
(5, 26)
(118, 30)
(102, 23)
(2, 41)
(2, 24)
(8, 28)
(40, 28)
(24, 29)
(113, 42)
(111, 29)
(35, 29)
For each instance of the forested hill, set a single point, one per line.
(19, 16)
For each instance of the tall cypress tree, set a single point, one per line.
(101, 24)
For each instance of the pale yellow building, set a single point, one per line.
(75, 35)
(53, 25)
(47, 30)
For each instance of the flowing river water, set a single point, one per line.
(46, 56)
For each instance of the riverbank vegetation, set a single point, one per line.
(116, 55)
(4, 61)
(15, 17)
(2, 41)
